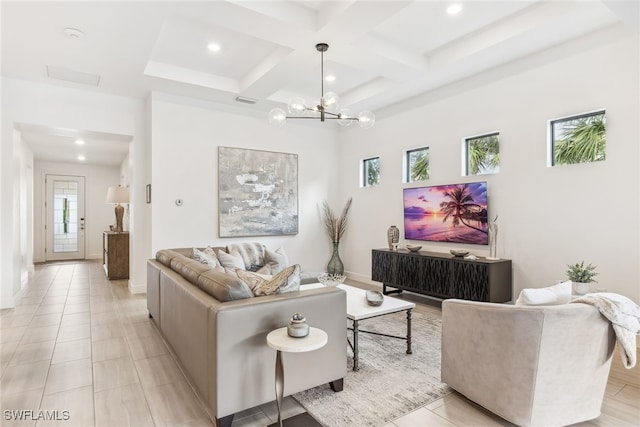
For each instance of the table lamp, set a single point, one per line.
(118, 195)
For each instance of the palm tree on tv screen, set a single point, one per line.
(461, 207)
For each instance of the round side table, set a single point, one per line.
(279, 340)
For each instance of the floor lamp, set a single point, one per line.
(117, 195)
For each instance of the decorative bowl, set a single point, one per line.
(374, 298)
(414, 248)
(331, 279)
(458, 253)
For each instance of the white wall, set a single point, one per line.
(26, 213)
(185, 138)
(61, 107)
(98, 214)
(549, 217)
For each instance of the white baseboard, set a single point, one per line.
(38, 260)
(140, 288)
(362, 278)
(93, 256)
(7, 302)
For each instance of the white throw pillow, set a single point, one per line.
(552, 295)
(276, 260)
(233, 260)
(206, 256)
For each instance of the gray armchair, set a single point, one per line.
(533, 366)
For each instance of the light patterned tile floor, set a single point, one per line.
(80, 343)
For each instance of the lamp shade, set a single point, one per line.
(118, 195)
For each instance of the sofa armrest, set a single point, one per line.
(243, 372)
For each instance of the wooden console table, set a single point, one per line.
(442, 275)
(115, 254)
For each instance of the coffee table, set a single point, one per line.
(358, 309)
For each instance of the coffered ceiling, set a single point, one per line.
(381, 52)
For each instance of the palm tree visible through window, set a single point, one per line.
(483, 154)
(579, 139)
(371, 172)
(417, 162)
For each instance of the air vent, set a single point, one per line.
(246, 100)
(66, 74)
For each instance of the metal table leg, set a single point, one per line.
(409, 351)
(355, 346)
(279, 385)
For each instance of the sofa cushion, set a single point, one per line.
(231, 260)
(188, 268)
(252, 253)
(551, 295)
(276, 260)
(287, 280)
(223, 287)
(164, 256)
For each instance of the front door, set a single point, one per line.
(64, 226)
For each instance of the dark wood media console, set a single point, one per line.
(442, 275)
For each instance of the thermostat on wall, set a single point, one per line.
(179, 202)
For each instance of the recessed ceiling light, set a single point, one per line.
(81, 157)
(80, 141)
(213, 47)
(73, 33)
(454, 9)
(330, 78)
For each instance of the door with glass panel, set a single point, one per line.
(64, 226)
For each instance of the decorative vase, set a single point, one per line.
(393, 237)
(299, 327)
(493, 240)
(580, 288)
(335, 265)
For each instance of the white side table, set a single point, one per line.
(279, 340)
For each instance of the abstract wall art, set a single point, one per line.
(257, 193)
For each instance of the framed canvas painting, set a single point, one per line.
(257, 193)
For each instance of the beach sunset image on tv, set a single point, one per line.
(447, 213)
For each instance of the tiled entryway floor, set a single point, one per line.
(83, 349)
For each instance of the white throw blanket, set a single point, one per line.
(624, 315)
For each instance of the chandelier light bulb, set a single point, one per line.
(346, 117)
(297, 106)
(277, 117)
(331, 102)
(366, 119)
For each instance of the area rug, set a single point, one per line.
(390, 382)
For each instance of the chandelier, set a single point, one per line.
(327, 109)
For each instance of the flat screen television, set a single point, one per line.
(447, 213)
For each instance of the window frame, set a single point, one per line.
(364, 182)
(465, 148)
(551, 139)
(407, 164)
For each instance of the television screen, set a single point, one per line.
(447, 213)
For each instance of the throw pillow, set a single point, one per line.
(205, 256)
(276, 260)
(552, 295)
(277, 284)
(232, 260)
(252, 253)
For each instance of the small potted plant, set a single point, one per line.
(580, 276)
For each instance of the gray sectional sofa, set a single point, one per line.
(220, 341)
